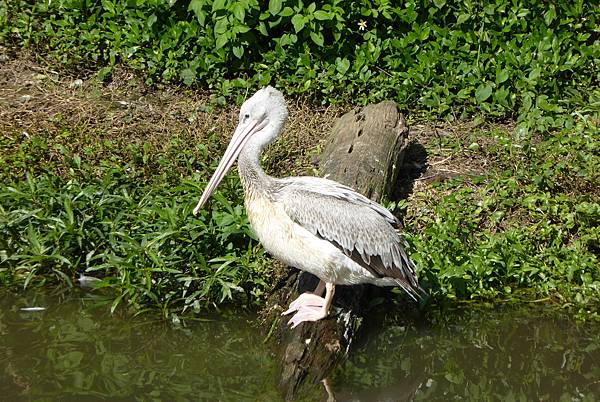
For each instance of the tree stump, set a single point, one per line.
(365, 152)
(366, 149)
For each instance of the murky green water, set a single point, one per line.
(75, 351)
(515, 355)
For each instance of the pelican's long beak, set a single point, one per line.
(243, 132)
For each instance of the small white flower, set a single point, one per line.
(362, 25)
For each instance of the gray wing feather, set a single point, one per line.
(364, 230)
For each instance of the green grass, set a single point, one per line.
(119, 209)
(78, 194)
(527, 229)
(141, 240)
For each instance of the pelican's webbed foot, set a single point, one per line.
(308, 307)
(305, 300)
(311, 307)
(307, 313)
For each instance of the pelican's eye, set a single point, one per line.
(246, 116)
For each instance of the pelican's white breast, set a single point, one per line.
(297, 247)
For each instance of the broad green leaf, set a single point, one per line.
(241, 28)
(424, 34)
(109, 6)
(221, 41)
(187, 76)
(238, 51)
(462, 18)
(501, 95)
(483, 92)
(262, 28)
(239, 12)
(196, 7)
(151, 20)
(464, 93)
(535, 74)
(286, 12)
(218, 5)
(322, 15)
(221, 26)
(550, 15)
(317, 37)
(342, 65)
(275, 6)
(501, 76)
(298, 21)
(527, 102)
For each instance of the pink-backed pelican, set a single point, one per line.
(314, 224)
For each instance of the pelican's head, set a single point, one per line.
(261, 119)
(267, 109)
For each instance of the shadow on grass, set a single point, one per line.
(414, 164)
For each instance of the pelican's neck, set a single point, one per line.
(254, 179)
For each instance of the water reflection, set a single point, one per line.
(522, 355)
(71, 351)
(74, 351)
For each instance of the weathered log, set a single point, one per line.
(365, 152)
(366, 149)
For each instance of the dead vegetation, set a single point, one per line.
(83, 114)
(103, 121)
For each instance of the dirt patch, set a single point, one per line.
(80, 113)
(124, 116)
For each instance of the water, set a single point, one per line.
(76, 351)
(529, 354)
(73, 350)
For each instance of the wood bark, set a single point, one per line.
(365, 151)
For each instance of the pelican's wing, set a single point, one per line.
(364, 230)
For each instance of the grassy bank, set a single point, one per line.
(103, 154)
(101, 180)
(517, 220)
(92, 184)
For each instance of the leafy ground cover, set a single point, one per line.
(513, 219)
(100, 180)
(525, 59)
(103, 155)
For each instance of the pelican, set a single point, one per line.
(311, 223)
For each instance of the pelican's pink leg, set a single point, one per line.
(320, 288)
(314, 313)
(308, 299)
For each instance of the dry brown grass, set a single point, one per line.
(80, 112)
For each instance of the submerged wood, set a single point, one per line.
(365, 152)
